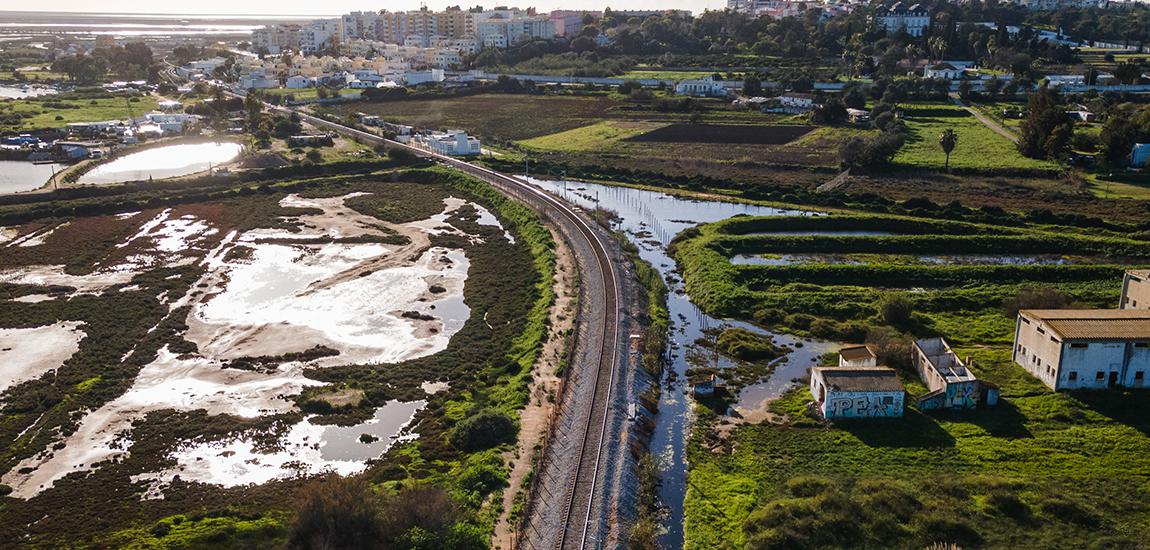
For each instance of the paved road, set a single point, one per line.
(570, 508)
(985, 120)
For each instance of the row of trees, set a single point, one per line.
(975, 31)
(132, 61)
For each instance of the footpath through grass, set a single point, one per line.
(979, 148)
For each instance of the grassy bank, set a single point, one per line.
(1040, 470)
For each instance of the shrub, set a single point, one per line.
(1068, 511)
(896, 309)
(483, 430)
(808, 486)
(337, 512)
(1034, 298)
(402, 156)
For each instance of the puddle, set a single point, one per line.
(29, 353)
(163, 162)
(307, 449)
(864, 259)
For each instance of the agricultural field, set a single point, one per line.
(153, 303)
(979, 148)
(55, 111)
(493, 116)
(1040, 470)
(304, 94)
(645, 74)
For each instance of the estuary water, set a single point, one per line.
(651, 219)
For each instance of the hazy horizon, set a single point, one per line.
(336, 7)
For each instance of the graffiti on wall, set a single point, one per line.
(962, 396)
(866, 405)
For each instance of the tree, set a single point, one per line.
(1128, 72)
(1046, 131)
(1127, 124)
(947, 141)
(752, 86)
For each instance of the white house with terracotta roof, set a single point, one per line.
(1136, 290)
(1084, 348)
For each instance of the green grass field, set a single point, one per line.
(979, 147)
(1041, 470)
(302, 94)
(78, 110)
(593, 137)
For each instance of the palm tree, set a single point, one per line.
(947, 141)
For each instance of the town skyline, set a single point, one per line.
(209, 8)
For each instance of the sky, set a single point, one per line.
(334, 7)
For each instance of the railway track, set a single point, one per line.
(579, 499)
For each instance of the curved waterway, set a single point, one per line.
(169, 161)
(650, 219)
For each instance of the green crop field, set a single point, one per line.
(1041, 470)
(301, 94)
(642, 74)
(979, 147)
(49, 112)
(593, 137)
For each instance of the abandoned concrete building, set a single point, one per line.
(1136, 290)
(1084, 348)
(952, 385)
(856, 392)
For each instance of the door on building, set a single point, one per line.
(1113, 380)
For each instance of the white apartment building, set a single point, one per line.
(1084, 348)
(276, 38)
(359, 25)
(499, 31)
(1136, 290)
(914, 19)
(319, 35)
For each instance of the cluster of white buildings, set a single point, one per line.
(779, 9)
(453, 30)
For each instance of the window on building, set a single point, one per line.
(1139, 376)
(1053, 339)
(1073, 376)
(1025, 320)
(1099, 375)
(1040, 331)
(1079, 345)
(1141, 344)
